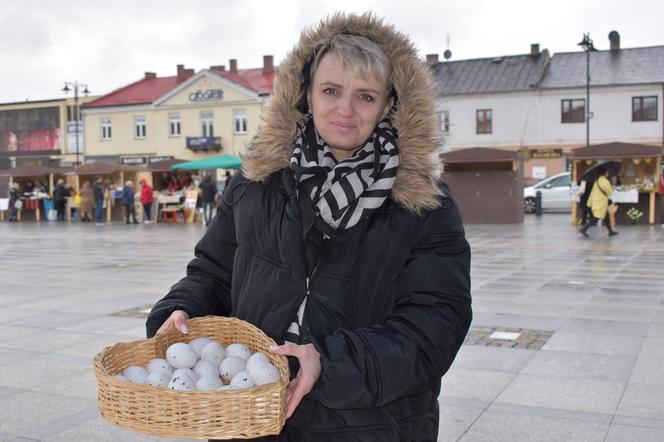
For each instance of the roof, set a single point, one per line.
(33, 171)
(497, 74)
(624, 66)
(164, 166)
(616, 150)
(144, 91)
(254, 79)
(103, 169)
(479, 155)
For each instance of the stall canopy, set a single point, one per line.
(102, 169)
(225, 161)
(608, 151)
(164, 166)
(33, 171)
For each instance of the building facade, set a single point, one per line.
(188, 116)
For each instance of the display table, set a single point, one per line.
(625, 196)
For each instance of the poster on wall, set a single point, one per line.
(74, 130)
(32, 140)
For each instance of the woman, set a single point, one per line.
(86, 202)
(128, 202)
(146, 200)
(598, 202)
(60, 195)
(14, 199)
(339, 241)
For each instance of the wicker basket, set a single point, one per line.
(223, 414)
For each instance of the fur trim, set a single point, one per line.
(415, 118)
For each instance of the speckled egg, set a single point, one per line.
(264, 373)
(181, 355)
(207, 383)
(158, 379)
(231, 366)
(199, 343)
(188, 372)
(206, 368)
(256, 359)
(181, 382)
(213, 352)
(158, 364)
(136, 374)
(238, 350)
(242, 380)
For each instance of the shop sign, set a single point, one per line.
(207, 95)
(153, 160)
(132, 160)
(204, 143)
(540, 154)
(74, 130)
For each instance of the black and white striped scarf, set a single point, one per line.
(344, 192)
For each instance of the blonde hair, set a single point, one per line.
(129, 183)
(360, 54)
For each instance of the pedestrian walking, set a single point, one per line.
(98, 196)
(146, 199)
(15, 201)
(60, 195)
(340, 242)
(128, 202)
(598, 202)
(87, 203)
(208, 193)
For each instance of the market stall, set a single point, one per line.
(635, 179)
(487, 184)
(114, 176)
(36, 183)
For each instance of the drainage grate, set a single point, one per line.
(508, 337)
(142, 311)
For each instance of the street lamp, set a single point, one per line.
(587, 45)
(76, 85)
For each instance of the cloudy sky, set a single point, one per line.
(109, 44)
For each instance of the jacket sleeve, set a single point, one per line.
(415, 346)
(206, 288)
(605, 186)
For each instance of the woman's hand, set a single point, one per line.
(178, 319)
(307, 375)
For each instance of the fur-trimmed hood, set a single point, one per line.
(416, 186)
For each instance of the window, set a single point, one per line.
(174, 125)
(445, 121)
(139, 125)
(573, 111)
(106, 129)
(207, 123)
(644, 108)
(484, 125)
(71, 114)
(240, 121)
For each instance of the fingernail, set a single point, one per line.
(184, 329)
(274, 348)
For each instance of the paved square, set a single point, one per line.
(586, 363)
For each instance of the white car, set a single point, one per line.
(557, 194)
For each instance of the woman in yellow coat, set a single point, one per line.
(598, 202)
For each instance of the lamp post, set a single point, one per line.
(587, 45)
(75, 86)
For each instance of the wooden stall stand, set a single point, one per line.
(640, 172)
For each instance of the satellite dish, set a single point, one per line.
(447, 54)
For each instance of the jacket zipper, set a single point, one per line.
(300, 312)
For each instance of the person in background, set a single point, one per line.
(87, 203)
(228, 179)
(598, 202)
(29, 188)
(340, 241)
(98, 197)
(60, 195)
(146, 200)
(208, 193)
(128, 202)
(14, 198)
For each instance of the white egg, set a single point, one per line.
(159, 379)
(181, 383)
(207, 383)
(206, 368)
(158, 364)
(181, 355)
(264, 374)
(119, 377)
(242, 380)
(228, 387)
(238, 350)
(199, 343)
(213, 352)
(257, 358)
(136, 374)
(188, 372)
(231, 366)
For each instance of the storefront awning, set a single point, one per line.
(33, 171)
(609, 151)
(225, 161)
(479, 155)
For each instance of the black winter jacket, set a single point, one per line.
(387, 316)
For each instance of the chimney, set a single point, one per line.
(233, 63)
(218, 67)
(150, 75)
(268, 64)
(614, 38)
(432, 59)
(534, 50)
(188, 73)
(180, 70)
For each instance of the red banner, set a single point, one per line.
(32, 140)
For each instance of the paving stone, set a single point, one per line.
(456, 421)
(610, 327)
(622, 433)
(643, 400)
(615, 368)
(594, 343)
(482, 385)
(648, 368)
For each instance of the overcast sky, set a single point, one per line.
(109, 44)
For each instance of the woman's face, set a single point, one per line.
(346, 107)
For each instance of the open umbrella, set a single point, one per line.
(590, 175)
